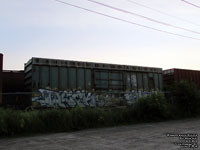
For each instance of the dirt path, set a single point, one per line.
(149, 136)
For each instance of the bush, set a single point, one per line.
(11, 122)
(186, 98)
(32, 122)
(55, 120)
(153, 107)
(14, 122)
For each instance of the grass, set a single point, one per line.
(146, 109)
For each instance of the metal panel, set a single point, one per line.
(115, 81)
(151, 81)
(101, 84)
(161, 81)
(88, 79)
(150, 75)
(101, 79)
(63, 78)
(156, 82)
(128, 81)
(104, 80)
(140, 81)
(80, 79)
(54, 77)
(104, 75)
(44, 76)
(145, 81)
(115, 76)
(28, 68)
(36, 77)
(97, 75)
(133, 81)
(72, 78)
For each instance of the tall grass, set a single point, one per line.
(16, 122)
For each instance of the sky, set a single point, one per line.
(51, 29)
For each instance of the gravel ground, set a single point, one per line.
(148, 136)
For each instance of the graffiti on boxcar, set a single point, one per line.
(49, 98)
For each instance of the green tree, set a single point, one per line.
(186, 97)
(153, 107)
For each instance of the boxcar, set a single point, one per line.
(57, 76)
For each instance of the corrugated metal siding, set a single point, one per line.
(88, 79)
(145, 81)
(160, 81)
(140, 81)
(70, 75)
(44, 76)
(36, 77)
(54, 77)
(72, 78)
(133, 81)
(115, 80)
(156, 82)
(128, 80)
(151, 85)
(63, 78)
(80, 78)
(101, 79)
(176, 75)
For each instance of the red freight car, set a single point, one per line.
(175, 75)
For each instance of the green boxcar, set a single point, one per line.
(61, 75)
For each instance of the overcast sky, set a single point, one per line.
(50, 29)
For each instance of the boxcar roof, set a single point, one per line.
(85, 64)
